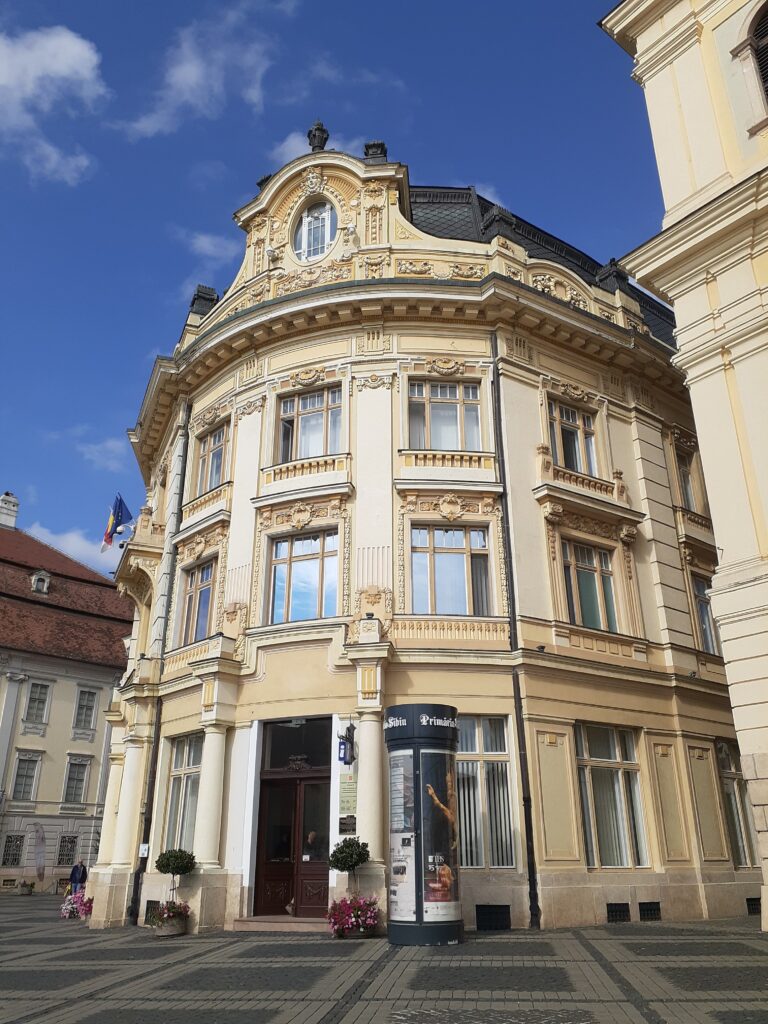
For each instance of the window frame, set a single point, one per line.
(330, 213)
(482, 759)
(625, 767)
(321, 556)
(191, 600)
(703, 602)
(588, 457)
(732, 774)
(76, 761)
(204, 462)
(297, 413)
(10, 862)
(571, 566)
(71, 859)
(43, 720)
(36, 758)
(426, 400)
(468, 551)
(174, 833)
(86, 691)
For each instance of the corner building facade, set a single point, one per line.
(402, 385)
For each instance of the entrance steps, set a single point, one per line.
(280, 923)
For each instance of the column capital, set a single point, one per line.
(216, 728)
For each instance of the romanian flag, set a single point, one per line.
(118, 514)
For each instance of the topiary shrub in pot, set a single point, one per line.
(348, 855)
(173, 863)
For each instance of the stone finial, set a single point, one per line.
(318, 136)
(375, 152)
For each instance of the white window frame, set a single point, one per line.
(483, 760)
(635, 845)
(425, 393)
(173, 831)
(27, 755)
(702, 608)
(76, 759)
(299, 235)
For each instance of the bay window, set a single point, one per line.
(589, 592)
(572, 438)
(198, 601)
(610, 798)
(186, 757)
(444, 416)
(482, 773)
(304, 577)
(449, 570)
(310, 425)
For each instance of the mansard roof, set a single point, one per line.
(462, 213)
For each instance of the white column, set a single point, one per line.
(210, 797)
(109, 819)
(124, 850)
(370, 783)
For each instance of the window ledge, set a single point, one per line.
(33, 728)
(20, 806)
(587, 501)
(89, 735)
(294, 494)
(687, 518)
(72, 809)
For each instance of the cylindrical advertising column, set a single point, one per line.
(424, 908)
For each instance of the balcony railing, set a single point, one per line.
(448, 460)
(306, 467)
(221, 495)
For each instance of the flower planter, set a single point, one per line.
(173, 926)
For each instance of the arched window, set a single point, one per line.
(752, 52)
(760, 42)
(315, 231)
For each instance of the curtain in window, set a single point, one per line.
(450, 584)
(499, 817)
(586, 817)
(417, 425)
(173, 812)
(310, 435)
(189, 813)
(472, 428)
(609, 817)
(479, 567)
(444, 423)
(420, 582)
(635, 806)
(470, 827)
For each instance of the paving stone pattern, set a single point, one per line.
(60, 972)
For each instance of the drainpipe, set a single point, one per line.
(172, 527)
(522, 748)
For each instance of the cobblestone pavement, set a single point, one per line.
(59, 972)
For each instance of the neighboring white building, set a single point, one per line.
(61, 652)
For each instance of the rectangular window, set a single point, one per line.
(198, 602)
(305, 576)
(37, 703)
(86, 706)
(572, 438)
(310, 425)
(186, 758)
(444, 416)
(210, 459)
(684, 469)
(610, 798)
(24, 784)
(74, 791)
(738, 813)
(701, 586)
(449, 571)
(589, 589)
(482, 774)
(67, 850)
(13, 847)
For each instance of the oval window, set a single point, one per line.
(315, 231)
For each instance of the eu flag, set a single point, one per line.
(118, 514)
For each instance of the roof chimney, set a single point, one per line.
(9, 508)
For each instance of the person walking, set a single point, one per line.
(78, 876)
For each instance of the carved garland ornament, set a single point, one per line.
(374, 382)
(415, 268)
(467, 271)
(446, 367)
(306, 378)
(251, 406)
(211, 415)
(312, 277)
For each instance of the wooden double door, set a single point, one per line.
(292, 858)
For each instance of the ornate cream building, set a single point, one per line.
(704, 68)
(422, 451)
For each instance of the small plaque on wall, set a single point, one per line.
(348, 825)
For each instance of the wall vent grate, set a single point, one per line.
(618, 913)
(493, 917)
(650, 911)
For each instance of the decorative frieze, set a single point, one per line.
(374, 382)
(312, 277)
(446, 367)
(308, 378)
(211, 415)
(467, 271)
(415, 268)
(251, 406)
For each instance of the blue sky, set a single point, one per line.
(130, 132)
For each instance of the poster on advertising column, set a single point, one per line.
(439, 836)
(402, 837)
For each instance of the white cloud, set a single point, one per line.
(108, 454)
(46, 72)
(490, 193)
(77, 545)
(295, 144)
(211, 252)
(66, 433)
(325, 70)
(207, 63)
